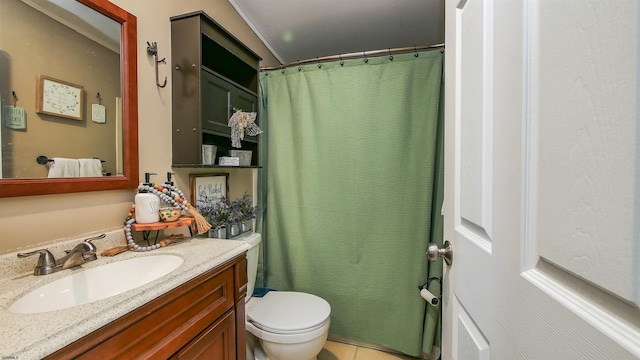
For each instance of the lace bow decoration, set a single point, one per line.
(240, 123)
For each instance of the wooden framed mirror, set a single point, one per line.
(125, 142)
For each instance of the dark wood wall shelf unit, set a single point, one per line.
(213, 74)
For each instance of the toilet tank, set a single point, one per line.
(252, 261)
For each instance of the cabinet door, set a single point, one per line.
(218, 341)
(245, 101)
(216, 103)
(220, 99)
(242, 100)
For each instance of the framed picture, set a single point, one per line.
(59, 98)
(208, 189)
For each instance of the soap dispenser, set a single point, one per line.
(147, 204)
(169, 186)
(169, 181)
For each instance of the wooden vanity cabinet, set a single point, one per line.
(201, 319)
(215, 342)
(213, 74)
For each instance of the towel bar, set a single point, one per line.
(43, 160)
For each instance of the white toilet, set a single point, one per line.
(289, 325)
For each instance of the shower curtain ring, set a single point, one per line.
(366, 60)
(415, 49)
(341, 61)
(390, 56)
(318, 61)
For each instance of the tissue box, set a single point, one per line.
(244, 155)
(229, 161)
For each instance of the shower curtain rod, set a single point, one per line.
(353, 55)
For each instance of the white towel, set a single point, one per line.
(63, 167)
(90, 167)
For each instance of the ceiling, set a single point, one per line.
(82, 19)
(307, 29)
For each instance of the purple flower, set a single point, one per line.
(219, 214)
(243, 208)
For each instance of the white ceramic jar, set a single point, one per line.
(147, 206)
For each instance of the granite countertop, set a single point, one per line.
(33, 336)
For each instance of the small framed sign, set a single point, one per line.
(59, 98)
(98, 113)
(15, 117)
(208, 189)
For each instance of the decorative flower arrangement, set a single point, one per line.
(243, 208)
(219, 214)
(227, 214)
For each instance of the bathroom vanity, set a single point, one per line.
(195, 311)
(202, 318)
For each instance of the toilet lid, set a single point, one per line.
(285, 311)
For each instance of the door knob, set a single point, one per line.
(433, 252)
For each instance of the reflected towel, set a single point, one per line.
(63, 167)
(90, 167)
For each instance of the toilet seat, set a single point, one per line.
(286, 332)
(288, 317)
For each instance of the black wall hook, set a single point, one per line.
(152, 49)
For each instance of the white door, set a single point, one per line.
(542, 194)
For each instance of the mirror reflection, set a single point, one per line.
(60, 87)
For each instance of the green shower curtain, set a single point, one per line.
(352, 192)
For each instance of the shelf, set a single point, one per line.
(213, 74)
(234, 83)
(214, 166)
(161, 225)
(247, 141)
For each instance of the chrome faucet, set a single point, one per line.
(80, 254)
(86, 249)
(72, 259)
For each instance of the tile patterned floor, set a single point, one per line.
(338, 351)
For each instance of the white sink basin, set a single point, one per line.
(96, 284)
